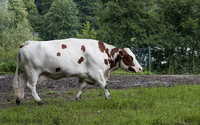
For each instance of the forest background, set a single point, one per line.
(170, 27)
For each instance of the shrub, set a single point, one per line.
(10, 67)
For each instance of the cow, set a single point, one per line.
(91, 60)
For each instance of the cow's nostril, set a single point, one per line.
(140, 69)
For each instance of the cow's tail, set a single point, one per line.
(15, 80)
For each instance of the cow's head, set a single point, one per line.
(128, 61)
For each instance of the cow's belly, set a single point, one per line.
(55, 76)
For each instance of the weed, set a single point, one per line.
(52, 92)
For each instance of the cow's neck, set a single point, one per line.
(115, 62)
(119, 62)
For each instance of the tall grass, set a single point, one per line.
(141, 106)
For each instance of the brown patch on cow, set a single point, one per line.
(107, 52)
(113, 51)
(131, 69)
(64, 46)
(128, 60)
(21, 46)
(80, 60)
(113, 63)
(83, 48)
(106, 61)
(109, 60)
(58, 54)
(58, 69)
(101, 46)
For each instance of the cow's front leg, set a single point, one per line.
(104, 87)
(107, 93)
(80, 89)
(102, 82)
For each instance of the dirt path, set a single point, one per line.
(114, 82)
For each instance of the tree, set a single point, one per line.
(46, 4)
(178, 33)
(35, 19)
(39, 6)
(122, 21)
(172, 27)
(30, 6)
(87, 11)
(14, 28)
(61, 21)
(18, 10)
(4, 19)
(87, 33)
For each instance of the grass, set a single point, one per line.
(121, 72)
(142, 106)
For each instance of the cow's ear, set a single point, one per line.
(121, 53)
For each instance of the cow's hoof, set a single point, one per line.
(18, 101)
(78, 99)
(107, 97)
(39, 102)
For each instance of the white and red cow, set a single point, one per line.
(91, 60)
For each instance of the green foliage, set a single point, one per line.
(87, 33)
(8, 52)
(61, 21)
(146, 106)
(17, 9)
(4, 21)
(30, 6)
(177, 36)
(39, 6)
(15, 25)
(120, 21)
(10, 67)
(15, 29)
(87, 11)
(8, 58)
(36, 21)
(46, 4)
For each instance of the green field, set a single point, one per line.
(157, 106)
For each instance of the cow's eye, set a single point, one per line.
(130, 58)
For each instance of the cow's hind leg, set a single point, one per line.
(22, 84)
(31, 84)
(80, 88)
